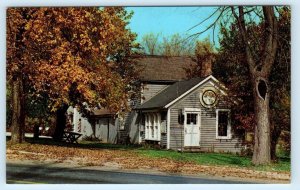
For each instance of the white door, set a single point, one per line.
(192, 129)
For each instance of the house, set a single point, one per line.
(171, 111)
(189, 115)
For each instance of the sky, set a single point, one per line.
(171, 20)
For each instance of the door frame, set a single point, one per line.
(198, 112)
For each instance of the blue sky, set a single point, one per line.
(171, 20)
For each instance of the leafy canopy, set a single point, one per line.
(72, 55)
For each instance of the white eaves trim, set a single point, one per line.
(190, 90)
(218, 88)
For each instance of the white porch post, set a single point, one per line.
(168, 128)
(158, 126)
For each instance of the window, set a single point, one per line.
(223, 128)
(181, 118)
(163, 126)
(147, 126)
(147, 132)
(153, 124)
(191, 118)
(121, 123)
(152, 132)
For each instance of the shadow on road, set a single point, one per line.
(46, 173)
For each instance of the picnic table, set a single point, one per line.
(71, 137)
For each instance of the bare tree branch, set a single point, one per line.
(243, 32)
(271, 39)
(211, 25)
(205, 19)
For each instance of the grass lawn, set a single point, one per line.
(216, 159)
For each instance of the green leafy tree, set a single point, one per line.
(174, 45)
(150, 44)
(177, 45)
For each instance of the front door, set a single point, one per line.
(192, 129)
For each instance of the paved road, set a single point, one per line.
(17, 173)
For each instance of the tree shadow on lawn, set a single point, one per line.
(225, 159)
(82, 144)
(283, 164)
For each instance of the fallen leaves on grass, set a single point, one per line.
(129, 159)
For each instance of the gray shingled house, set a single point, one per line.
(180, 114)
(170, 111)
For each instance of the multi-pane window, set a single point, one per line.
(152, 123)
(146, 126)
(223, 124)
(191, 118)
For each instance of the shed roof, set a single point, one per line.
(170, 94)
(102, 112)
(163, 68)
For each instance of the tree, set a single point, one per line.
(177, 45)
(69, 54)
(150, 43)
(231, 67)
(280, 81)
(204, 56)
(174, 45)
(260, 64)
(260, 50)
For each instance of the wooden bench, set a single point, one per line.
(71, 137)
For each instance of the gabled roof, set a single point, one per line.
(170, 94)
(175, 92)
(163, 68)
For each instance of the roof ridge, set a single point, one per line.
(170, 93)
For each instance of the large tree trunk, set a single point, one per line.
(261, 154)
(60, 123)
(18, 115)
(259, 71)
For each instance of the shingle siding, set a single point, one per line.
(208, 139)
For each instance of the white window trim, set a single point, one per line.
(229, 135)
(192, 110)
(151, 120)
(193, 88)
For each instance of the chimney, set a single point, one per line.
(206, 68)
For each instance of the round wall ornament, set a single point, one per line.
(208, 98)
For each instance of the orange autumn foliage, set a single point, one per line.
(65, 51)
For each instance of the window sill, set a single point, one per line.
(152, 140)
(223, 138)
